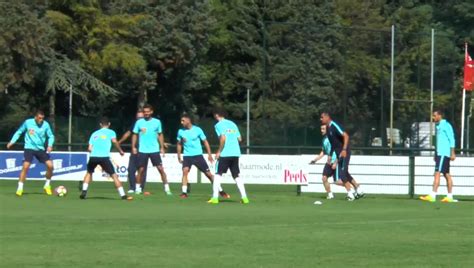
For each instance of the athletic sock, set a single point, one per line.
(215, 186)
(20, 186)
(220, 188)
(184, 189)
(167, 187)
(241, 187)
(138, 188)
(121, 191)
(47, 183)
(358, 189)
(330, 194)
(85, 186)
(449, 195)
(433, 194)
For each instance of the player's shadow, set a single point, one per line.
(101, 198)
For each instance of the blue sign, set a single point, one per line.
(64, 163)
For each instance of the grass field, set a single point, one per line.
(278, 229)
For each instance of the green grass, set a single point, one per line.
(278, 229)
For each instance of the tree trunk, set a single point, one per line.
(52, 109)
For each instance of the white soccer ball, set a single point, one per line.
(60, 191)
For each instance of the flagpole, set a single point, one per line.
(463, 109)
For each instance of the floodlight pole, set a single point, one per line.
(69, 137)
(391, 88)
(248, 121)
(432, 86)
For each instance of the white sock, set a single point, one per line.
(241, 187)
(47, 183)
(167, 187)
(433, 194)
(215, 186)
(138, 188)
(121, 191)
(184, 188)
(449, 195)
(85, 186)
(20, 186)
(359, 189)
(220, 188)
(330, 194)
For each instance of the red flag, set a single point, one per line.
(468, 72)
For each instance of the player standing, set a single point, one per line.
(133, 160)
(227, 156)
(151, 144)
(36, 130)
(445, 143)
(190, 138)
(100, 143)
(339, 140)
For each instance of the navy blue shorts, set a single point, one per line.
(342, 169)
(154, 157)
(328, 171)
(226, 163)
(42, 156)
(442, 164)
(103, 162)
(197, 160)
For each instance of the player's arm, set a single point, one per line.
(318, 157)
(117, 145)
(134, 143)
(179, 149)
(452, 143)
(208, 151)
(161, 139)
(222, 139)
(51, 139)
(17, 135)
(89, 148)
(345, 138)
(125, 136)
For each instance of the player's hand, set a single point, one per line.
(333, 166)
(121, 153)
(134, 151)
(453, 156)
(209, 157)
(180, 160)
(162, 151)
(218, 155)
(312, 162)
(343, 154)
(9, 145)
(49, 149)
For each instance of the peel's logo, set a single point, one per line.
(298, 177)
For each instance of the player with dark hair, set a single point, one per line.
(340, 144)
(190, 138)
(133, 160)
(445, 153)
(100, 144)
(148, 131)
(38, 134)
(227, 155)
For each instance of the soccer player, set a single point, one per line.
(331, 163)
(100, 144)
(190, 138)
(37, 131)
(227, 155)
(444, 154)
(133, 160)
(339, 140)
(151, 144)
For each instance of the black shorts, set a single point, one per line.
(225, 163)
(104, 162)
(197, 160)
(328, 171)
(42, 156)
(442, 164)
(342, 169)
(154, 157)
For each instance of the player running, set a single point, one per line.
(339, 140)
(227, 156)
(100, 144)
(37, 131)
(133, 160)
(445, 143)
(151, 144)
(190, 138)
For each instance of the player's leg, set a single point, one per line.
(327, 172)
(132, 170)
(222, 165)
(202, 165)
(184, 182)
(27, 159)
(449, 182)
(107, 166)
(342, 171)
(49, 174)
(235, 171)
(439, 160)
(359, 193)
(156, 162)
(88, 177)
(142, 165)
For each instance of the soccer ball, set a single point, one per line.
(60, 191)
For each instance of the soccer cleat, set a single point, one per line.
(245, 200)
(47, 190)
(138, 192)
(168, 193)
(224, 195)
(350, 198)
(330, 197)
(448, 200)
(428, 198)
(183, 195)
(83, 195)
(19, 193)
(126, 197)
(360, 194)
(213, 201)
(130, 191)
